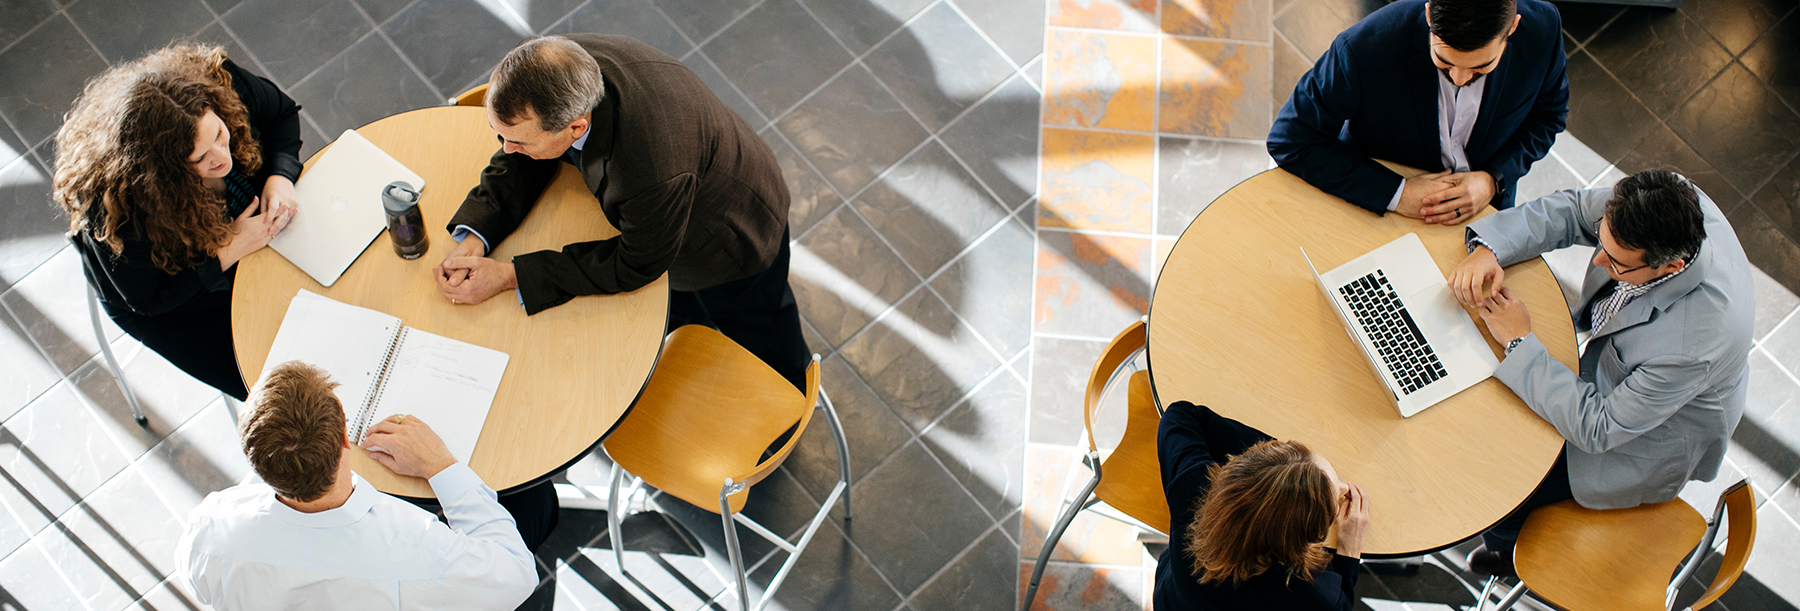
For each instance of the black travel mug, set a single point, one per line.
(406, 225)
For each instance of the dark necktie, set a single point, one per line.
(573, 156)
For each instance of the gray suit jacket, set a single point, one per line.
(1662, 383)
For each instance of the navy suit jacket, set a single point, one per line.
(1373, 95)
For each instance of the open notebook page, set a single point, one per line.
(447, 383)
(346, 341)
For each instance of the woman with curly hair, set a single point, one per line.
(1249, 516)
(172, 168)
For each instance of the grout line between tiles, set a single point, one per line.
(1016, 66)
(1155, 35)
(908, 599)
(734, 20)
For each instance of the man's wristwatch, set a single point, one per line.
(1514, 344)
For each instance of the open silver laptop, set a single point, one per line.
(340, 207)
(1397, 307)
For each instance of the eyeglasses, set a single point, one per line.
(1612, 262)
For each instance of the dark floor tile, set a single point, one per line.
(831, 575)
(541, 14)
(1059, 376)
(1015, 25)
(780, 504)
(453, 42)
(1311, 25)
(1069, 585)
(810, 198)
(366, 82)
(44, 72)
(843, 276)
(860, 24)
(311, 141)
(1768, 249)
(777, 55)
(1290, 65)
(701, 19)
(982, 442)
(1581, 21)
(704, 525)
(1432, 584)
(1779, 198)
(215, 34)
(126, 29)
(1737, 23)
(871, 431)
(938, 66)
(915, 518)
(31, 225)
(929, 208)
(1602, 113)
(999, 141)
(18, 17)
(1660, 55)
(990, 287)
(1776, 58)
(1195, 172)
(920, 359)
(635, 18)
(852, 129)
(722, 87)
(379, 10)
(295, 37)
(986, 577)
(1740, 127)
(1662, 149)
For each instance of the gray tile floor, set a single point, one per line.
(908, 132)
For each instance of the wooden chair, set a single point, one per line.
(1129, 479)
(475, 96)
(705, 417)
(1580, 559)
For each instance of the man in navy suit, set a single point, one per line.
(1473, 91)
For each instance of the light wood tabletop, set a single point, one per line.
(1237, 323)
(575, 369)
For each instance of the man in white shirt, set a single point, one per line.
(312, 534)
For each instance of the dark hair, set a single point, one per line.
(1269, 508)
(1658, 212)
(294, 432)
(549, 75)
(1467, 25)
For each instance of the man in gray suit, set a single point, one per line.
(1670, 305)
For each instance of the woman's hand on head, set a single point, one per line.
(1352, 521)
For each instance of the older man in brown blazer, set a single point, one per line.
(691, 187)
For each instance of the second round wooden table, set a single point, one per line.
(575, 368)
(1238, 324)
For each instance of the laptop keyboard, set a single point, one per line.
(1392, 330)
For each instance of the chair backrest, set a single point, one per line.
(1740, 510)
(1131, 478)
(1124, 346)
(475, 96)
(709, 410)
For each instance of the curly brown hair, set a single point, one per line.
(121, 155)
(1269, 508)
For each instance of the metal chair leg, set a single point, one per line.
(615, 524)
(112, 364)
(1062, 524)
(1512, 596)
(731, 541)
(843, 448)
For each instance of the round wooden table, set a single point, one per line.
(575, 368)
(1238, 324)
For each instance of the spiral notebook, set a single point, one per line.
(385, 368)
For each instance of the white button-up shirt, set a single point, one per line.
(1457, 109)
(243, 549)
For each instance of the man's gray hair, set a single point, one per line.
(548, 75)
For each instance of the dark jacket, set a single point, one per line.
(1186, 460)
(130, 284)
(692, 189)
(1378, 76)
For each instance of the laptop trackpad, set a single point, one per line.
(1449, 328)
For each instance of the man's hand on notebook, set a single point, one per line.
(407, 446)
(1477, 279)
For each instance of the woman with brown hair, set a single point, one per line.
(171, 169)
(1249, 516)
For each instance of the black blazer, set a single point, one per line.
(1373, 95)
(130, 284)
(691, 187)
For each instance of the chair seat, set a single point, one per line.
(1587, 559)
(707, 413)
